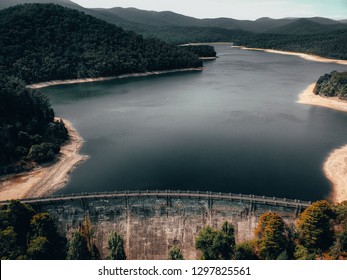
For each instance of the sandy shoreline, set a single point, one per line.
(335, 165)
(208, 58)
(309, 98)
(302, 55)
(45, 180)
(90, 80)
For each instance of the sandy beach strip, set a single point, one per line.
(335, 165)
(335, 168)
(302, 55)
(208, 57)
(309, 98)
(90, 80)
(45, 180)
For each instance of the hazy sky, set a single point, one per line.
(239, 9)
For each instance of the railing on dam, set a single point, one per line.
(292, 203)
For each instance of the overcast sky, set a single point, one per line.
(239, 9)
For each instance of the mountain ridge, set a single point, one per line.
(137, 20)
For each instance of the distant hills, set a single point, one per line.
(316, 35)
(143, 21)
(259, 26)
(66, 3)
(309, 26)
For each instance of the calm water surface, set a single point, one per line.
(234, 127)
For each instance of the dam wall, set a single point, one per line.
(151, 222)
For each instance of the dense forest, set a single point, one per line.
(319, 36)
(49, 42)
(320, 232)
(27, 127)
(201, 50)
(28, 234)
(331, 45)
(333, 84)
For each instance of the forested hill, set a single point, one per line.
(328, 44)
(333, 84)
(49, 42)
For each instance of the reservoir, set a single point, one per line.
(234, 127)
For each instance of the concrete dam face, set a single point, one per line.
(152, 222)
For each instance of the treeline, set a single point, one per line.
(333, 84)
(26, 233)
(320, 232)
(201, 50)
(331, 45)
(191, 34)
(28, 131)
(49, 42)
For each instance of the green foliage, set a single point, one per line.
(18, 216)
(330, 44)
(201, 50)
(283, 256)
(175, 253)
(302, 253)
(24, 233)
(339, 248)
(9, 249)
(216, 244)
(26, 121)
(272, 236)
(246, 251)
(88, 233)
(77, 247)
(341, 214)
(333, 84)
(116, 246)
(41, 153)
(315, 226)
(50, 42)
(39, 248)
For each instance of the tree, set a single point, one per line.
(44, 235)
(246, 251)
(116, 247)
(18, 216)
(24, 233)
(302, 253)
(175, 253)
(88, 233)
(9, 248)
(315, 226)
(339, 248)
(77, 247)
(42, 153)
(272, 236)
(216, 244)
(39, 248)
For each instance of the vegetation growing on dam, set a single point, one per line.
(320, 233)
(333, 84)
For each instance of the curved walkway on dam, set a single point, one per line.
(290, 203)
